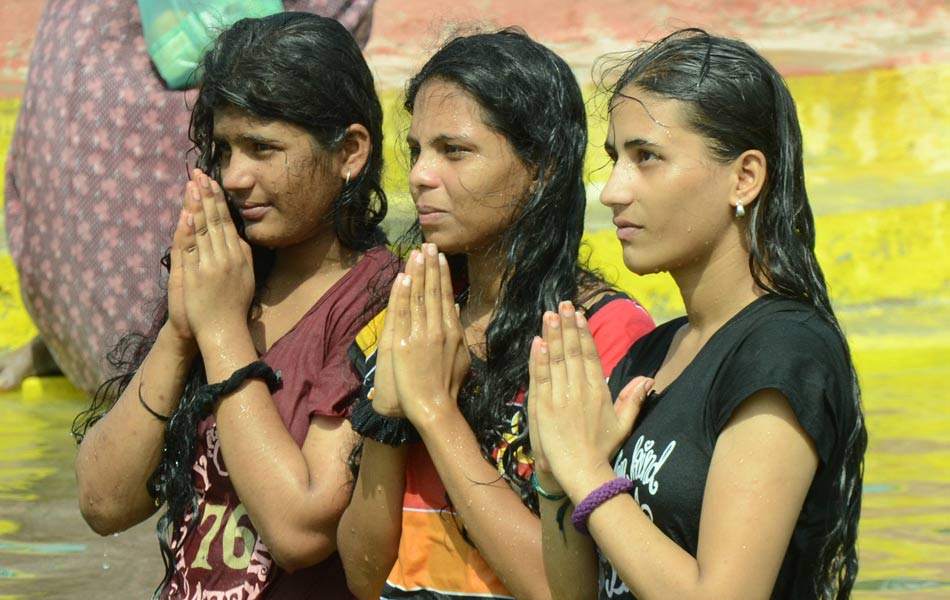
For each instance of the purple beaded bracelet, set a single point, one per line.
(582, 512)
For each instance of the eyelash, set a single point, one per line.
(640, 156)
(453, 152)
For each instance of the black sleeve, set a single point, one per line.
(800, 357)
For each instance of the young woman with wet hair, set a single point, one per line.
(444, 502)
(739, 426)
(273, 254)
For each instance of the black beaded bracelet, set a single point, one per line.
(393, 431)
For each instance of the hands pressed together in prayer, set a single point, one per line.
(574, 425)
(211, 283)
(422, 358)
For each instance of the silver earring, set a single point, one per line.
(740, 210)
(347, 177)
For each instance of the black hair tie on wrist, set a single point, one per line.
(394, 431)
(172, 478)
(256, 370)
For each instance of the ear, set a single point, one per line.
(354, 153)
(750, 173)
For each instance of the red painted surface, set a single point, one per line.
(799, 36)
(18, 20)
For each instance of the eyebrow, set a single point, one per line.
(442, 138)
(248, 137)
(632, 143)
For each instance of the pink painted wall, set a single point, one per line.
(799, 36)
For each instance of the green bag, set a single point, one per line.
(178, 32)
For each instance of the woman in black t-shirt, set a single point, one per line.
(742, 474)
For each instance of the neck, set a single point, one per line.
(321, 253)
(715, 290)
(484, 284)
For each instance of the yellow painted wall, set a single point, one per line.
(877, 153)
(878, 169)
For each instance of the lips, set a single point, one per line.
(253, 212)
(627, 230)
(429, 214)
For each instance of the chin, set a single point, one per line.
(445, 243)
(639, 266)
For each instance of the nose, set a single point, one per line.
(617, 192)
(236, 173)
(422, 175)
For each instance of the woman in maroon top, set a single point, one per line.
(97, 133)
(273, 254)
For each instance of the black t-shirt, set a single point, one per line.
(773, 343)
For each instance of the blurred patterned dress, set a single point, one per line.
(95, 176)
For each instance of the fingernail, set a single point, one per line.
(215, 187)
(406, 280)
(544, 347)
(580, 320)
(431, 249)
(205, 182)
(552, 319)
(566, 308)
(420, 259)
(442, 259)
(190, 219)
(195, 194)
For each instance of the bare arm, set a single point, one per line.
(371, 526)
(570, 559)
(761, 469)
(506, 533)
(120, 452)
(294, 496)
(430, 363)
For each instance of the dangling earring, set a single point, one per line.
(740, 210)
(347, 178)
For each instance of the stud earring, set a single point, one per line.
(347, 177)
(740, 210)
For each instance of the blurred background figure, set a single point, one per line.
(93, 182)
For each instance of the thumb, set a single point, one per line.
(630, 401)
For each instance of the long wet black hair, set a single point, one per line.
(738, 101)
(297, 68)
(528, 94)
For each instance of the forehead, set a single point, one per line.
(447, 107)
(636, 112)
(233, 121)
